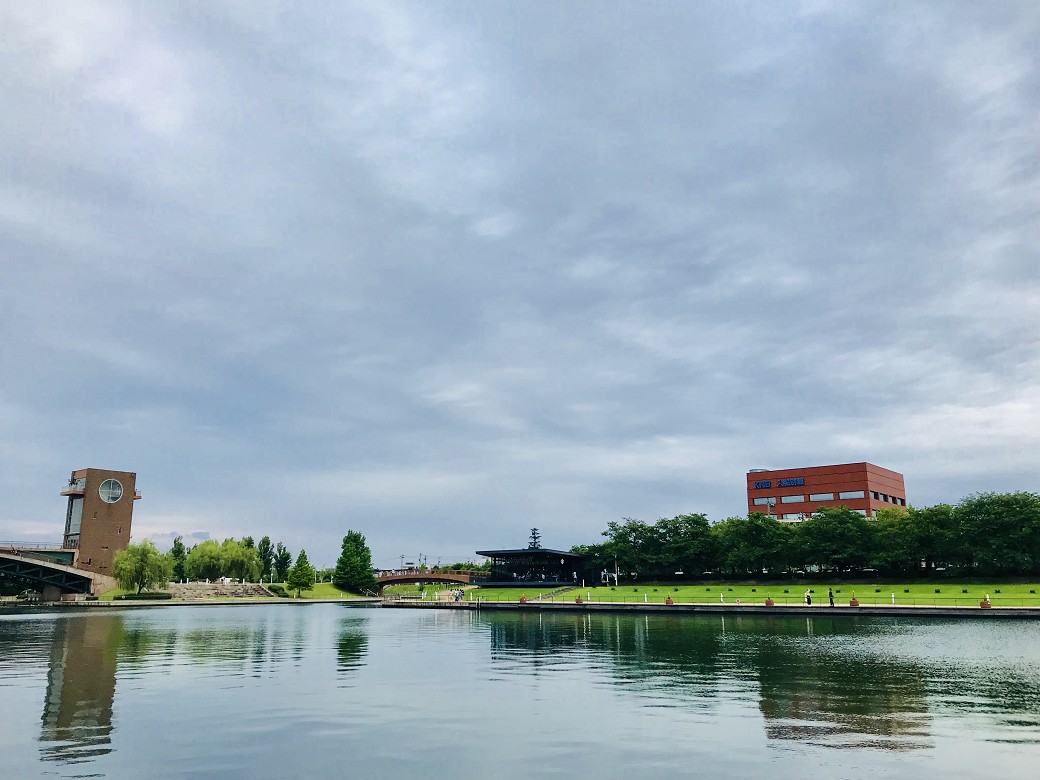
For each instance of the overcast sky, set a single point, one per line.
(441, 272)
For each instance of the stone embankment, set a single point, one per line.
(1028, 613)
(189, 591)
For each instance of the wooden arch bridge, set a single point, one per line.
(416, 577)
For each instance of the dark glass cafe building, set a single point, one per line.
(794, 494)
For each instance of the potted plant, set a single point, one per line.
(854, 602)
(669, 600)
(523, 599)
(769, 601)
(578, 600)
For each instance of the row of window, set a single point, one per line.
(845, 495)
(890, 499)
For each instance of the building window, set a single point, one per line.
(110, 491)
(771, 501)
(861, 511)
(794, 516)
(884, 497)
(874, 495)
(821, 496)
(851, 494)
(902, 502)
(792, 499)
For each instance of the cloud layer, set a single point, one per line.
(445, 273)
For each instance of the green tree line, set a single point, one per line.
(985, 534)
(142, 566)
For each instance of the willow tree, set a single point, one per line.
(141, 566)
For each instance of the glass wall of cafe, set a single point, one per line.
(534, 566)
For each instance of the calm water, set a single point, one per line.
(335, 691)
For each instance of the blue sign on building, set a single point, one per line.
(792, 482)
(763, 483)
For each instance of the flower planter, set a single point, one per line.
(853, 602)
(523, 599)
(578, 600)
(984, 604)
(669, 600)
(770, 602)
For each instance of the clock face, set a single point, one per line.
(110, 491)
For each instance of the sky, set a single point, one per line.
(444, 272)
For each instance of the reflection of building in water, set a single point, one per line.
(809, 694)
(81, 682)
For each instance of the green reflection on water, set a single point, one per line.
(841, 683)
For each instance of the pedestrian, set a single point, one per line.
(830, 595)
(808, 598)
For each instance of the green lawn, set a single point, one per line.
(323, 590)
(924, 594)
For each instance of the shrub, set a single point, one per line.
(937, 590)
(278, 590)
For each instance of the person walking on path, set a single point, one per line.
(830, 595)
(808, 598)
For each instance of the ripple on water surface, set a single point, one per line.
(274, 691)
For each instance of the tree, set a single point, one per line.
(354, 566)
(1002, 530)
(894, 548)
(178, 555)
(683, 544)
(536, 540)
(239, 561)
(203, 561)
(836, 537)
(631, 544)
(266, 553)
(301, 575)
(934, 536)
(282, 561)
(748, 545)
(140, 566)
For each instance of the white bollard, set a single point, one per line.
(893, 598)
(644, 598)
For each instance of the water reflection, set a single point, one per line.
(821, 681)
(89, 653)
(81, 683)
(351, 647)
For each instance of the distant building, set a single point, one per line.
(97, 522)
(534, 566)
(794, 494)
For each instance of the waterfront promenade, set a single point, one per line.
(822, 611)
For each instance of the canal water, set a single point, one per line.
(327, 690)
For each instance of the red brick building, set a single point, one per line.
(794, 494)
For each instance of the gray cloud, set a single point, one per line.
(443, 273)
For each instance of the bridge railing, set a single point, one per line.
(30, 546)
